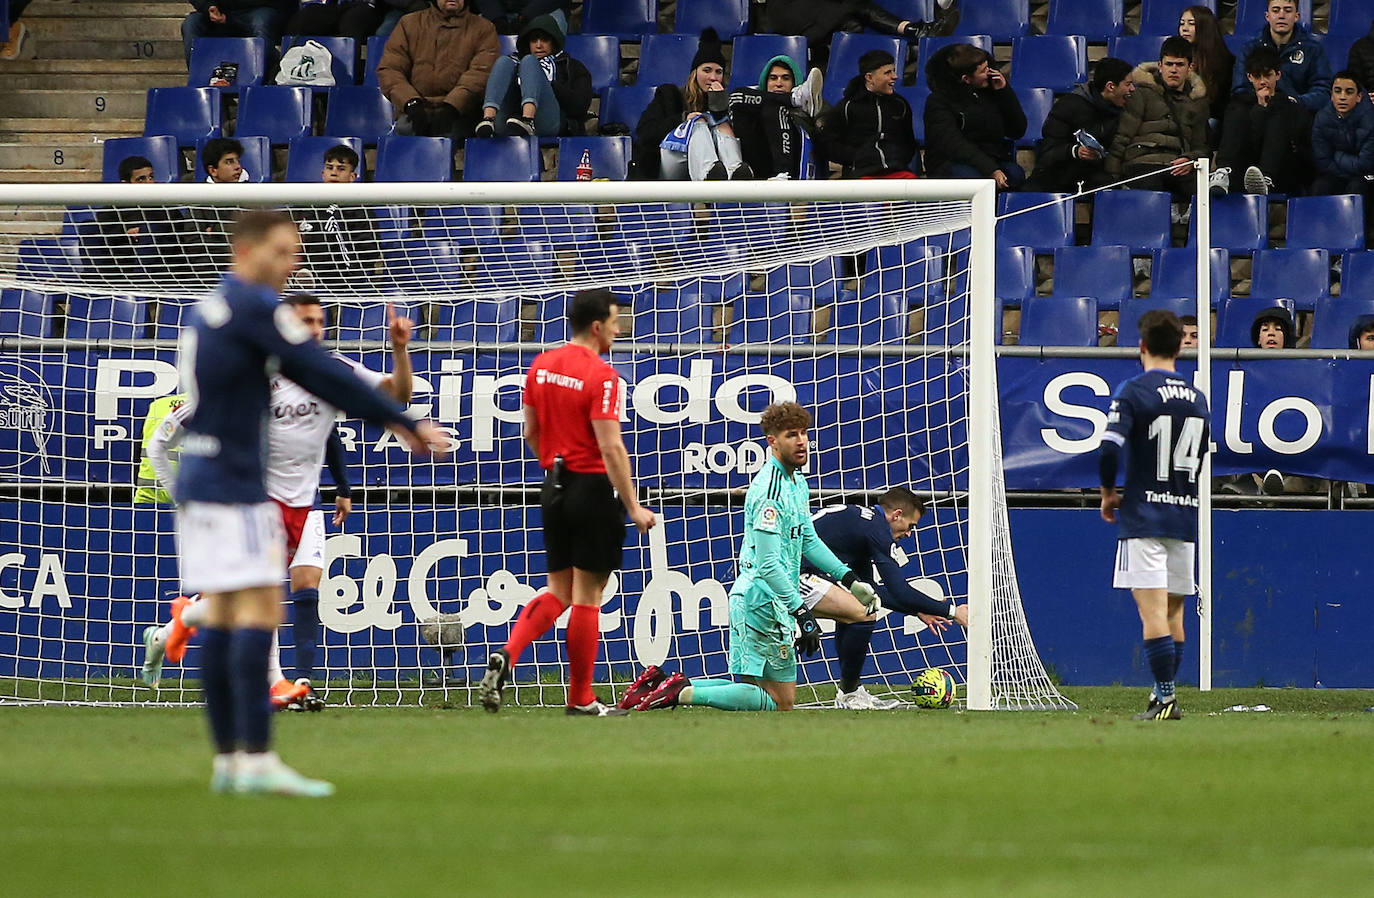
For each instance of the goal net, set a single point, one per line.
(869, 303)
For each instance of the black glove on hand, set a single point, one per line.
(443, 119)
(417, 110)
(809, 641)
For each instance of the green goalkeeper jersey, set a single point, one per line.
(777, 533)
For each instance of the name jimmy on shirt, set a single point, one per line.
(1169, 391)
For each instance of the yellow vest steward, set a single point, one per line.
(148, 491)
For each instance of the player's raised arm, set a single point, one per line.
(399, 384)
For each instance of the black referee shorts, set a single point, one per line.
(584, 522)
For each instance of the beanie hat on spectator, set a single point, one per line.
(1361, 324)
(1285, 322)
(874, 60)
(709, 50)
(782, 60)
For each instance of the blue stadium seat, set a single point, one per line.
(916, 95)
(1096, 20)
(1161, 16)
(367, 322)
(1302, 275)
(624, 103)
(1056, 61)
(563, 224)
(161, 151)
(751, 51)
(1357, 275)
(281, 114)
(1128, 323)
(358, 112)
(26, 313)
(502, 159)
(375, 46)
(626, 19)
(1043, 229)
(106, 318)
(1332, 320)
(1136, 48)
(483, 320)
(822, 280)
(1135, 218)
(1238, 313)
(675, 315)
(663, 226)
(669, 57)
(343, 54)
(728, 17)
(1002, 20)
(1250, 18)
(305, 158)
(1035, 103)
(1348, 17)
(845, 50)
(1102, 272)
(609, 156)
(414, 159)
(1337, 46)
(463, 225)
(186, 113)
(256, 159)
(171, 315)
(773, 318)
(249, 53)
(551, 322)
(600, 53)
(507, 43)
(1174, 273)
(1059, 321)
(1015, 273)
(49, 259)
(870, 321)
(1335, 223)
(915, 267)
(1240, 223)
(516, 261)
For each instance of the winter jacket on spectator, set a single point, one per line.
(1159, 124)
(440, 58)
(664, 113)
(1361, 60)
(967, 126)
(1344, 146)
(1306, 72)
(869, 133)
(1056, 168)
(571, 83)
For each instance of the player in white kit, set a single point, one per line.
(300, 427)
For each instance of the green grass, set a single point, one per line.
(101, 801)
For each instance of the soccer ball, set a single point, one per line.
(933, 688)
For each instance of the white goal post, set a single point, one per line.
(872, 301)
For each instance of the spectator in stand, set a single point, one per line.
(222, 158)
(435, 67)
(339, 246)
(357, 19)
(1362, 333)
(538, 89)
(1164, 123)
(870, 132)
(1305, 72)
(18, 34)
(130, 238)
(235, 18)
(1343, 143)
(818, 20)
(972, 118)
(1266, 133)
(1190, 331)
(686, 132)
(1361, 60)
(511, 16)
(1211, 59)
(768, 119)
(1064, 162)
(1271, 329)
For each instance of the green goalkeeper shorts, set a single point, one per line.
(757, 648)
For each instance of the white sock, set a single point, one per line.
(193, 615)
(160, 637)
(274, 662)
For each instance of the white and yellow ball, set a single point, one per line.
(933, 688)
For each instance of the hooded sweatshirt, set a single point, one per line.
(1285, 320)
(570, 80)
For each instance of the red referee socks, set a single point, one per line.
(534, 621)
(583, 635)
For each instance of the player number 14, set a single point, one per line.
(1187, 454)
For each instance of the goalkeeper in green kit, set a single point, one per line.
(765, 601)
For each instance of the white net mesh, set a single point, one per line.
(859, 310)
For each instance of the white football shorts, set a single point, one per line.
(310, 550)
(1155, 563)
(223, 547)
(813, 589)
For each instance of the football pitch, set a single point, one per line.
(106, 801)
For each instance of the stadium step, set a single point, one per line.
(110, 49)
(104, 25)
(171, 70)
(50, 176)
(96, 108)
(66, 132)
(51, 155)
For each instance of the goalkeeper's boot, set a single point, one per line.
(178, 633)
(862, 700)
(666, 695)
(1160, 710)
(265, 774)
(493, 683)
(311, 700)
(595, 709)
(641, 688)
(153, 651)
(287, 695)
(225, 773)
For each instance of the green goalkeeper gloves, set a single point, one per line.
(864, 592)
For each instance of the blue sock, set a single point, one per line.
(305, 629)
(217, 686)
(1178, 657)
(252, 704)
(851, 644)
(731, 696)
(1160, 653)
